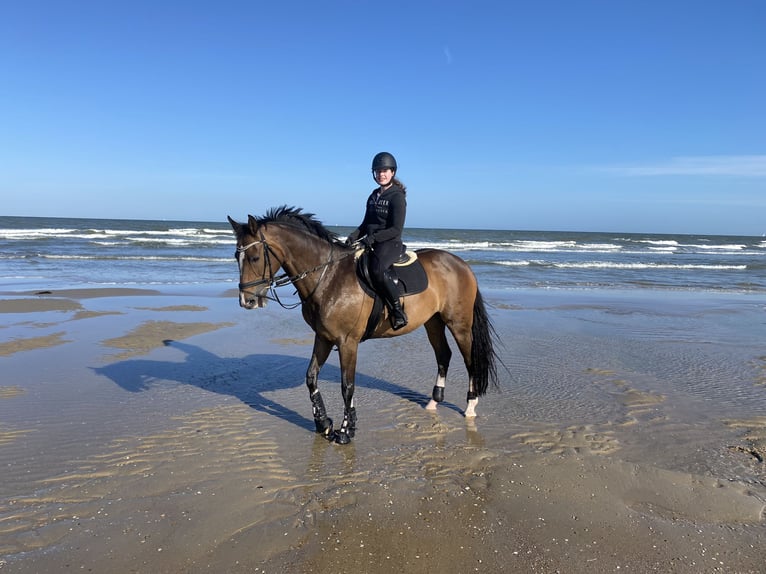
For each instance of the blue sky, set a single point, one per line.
(554, 115)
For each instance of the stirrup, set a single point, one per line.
(398, 320)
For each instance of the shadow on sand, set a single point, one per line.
(246, 378)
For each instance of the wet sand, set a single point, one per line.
(153, 432)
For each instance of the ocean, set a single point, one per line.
(47, 253)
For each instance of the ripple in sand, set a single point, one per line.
(37, 305)
(754, 440)
(8, 436)
(175, 308)
(216, 450)
(30, 343)
(574, 439)
(293, 341)
(761, 377)
(600, 372)
(638, 404)
(10, 392)
(673, 495)
(153, 334)
(91, 314)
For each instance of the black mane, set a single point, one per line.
(297, 218)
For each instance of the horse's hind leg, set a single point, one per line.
(438, 339)
(319, 355)
(463, 338)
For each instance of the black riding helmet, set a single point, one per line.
(383, 160)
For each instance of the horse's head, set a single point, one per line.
(256, 267)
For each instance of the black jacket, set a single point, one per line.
(384, 217)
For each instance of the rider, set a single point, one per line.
(381, 230)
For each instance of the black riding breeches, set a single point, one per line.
(383, 256)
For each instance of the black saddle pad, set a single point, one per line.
(411, 278)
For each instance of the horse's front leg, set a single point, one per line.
(319, 355)
(348, 352)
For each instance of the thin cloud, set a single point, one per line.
(447, 55)
(722, 165)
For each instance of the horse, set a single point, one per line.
(322, 270)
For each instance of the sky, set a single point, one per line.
(610, 115)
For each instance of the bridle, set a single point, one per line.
(275, 281)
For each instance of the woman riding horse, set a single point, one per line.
(381, 231)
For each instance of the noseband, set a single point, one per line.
(266, 250)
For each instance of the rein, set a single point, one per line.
(283, 279)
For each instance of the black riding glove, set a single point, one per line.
(368, 240)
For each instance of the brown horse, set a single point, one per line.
(336, 308)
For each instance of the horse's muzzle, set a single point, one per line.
(250, 300)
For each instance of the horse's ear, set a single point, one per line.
(252, 222)
(234, 225)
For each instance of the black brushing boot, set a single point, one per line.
(321, 420)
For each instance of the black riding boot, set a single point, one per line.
(391, 295)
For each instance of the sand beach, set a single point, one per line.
(164, 431)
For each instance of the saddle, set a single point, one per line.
(409, 277)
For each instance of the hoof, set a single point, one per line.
(325, 428)
(342, 437)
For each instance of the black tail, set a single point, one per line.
(483, 356)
